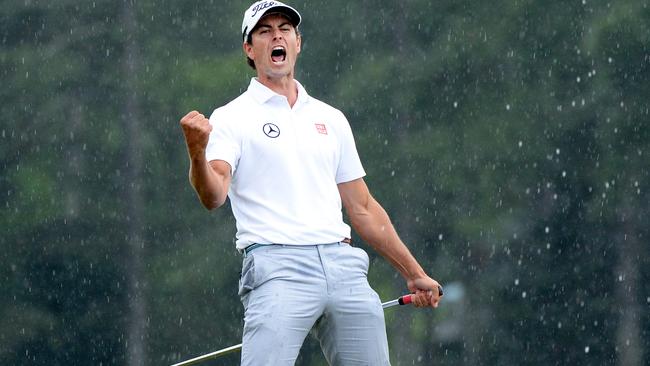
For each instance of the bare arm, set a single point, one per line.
(372, 223)
(211, 180)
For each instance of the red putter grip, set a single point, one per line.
(404, 300)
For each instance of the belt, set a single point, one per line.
(254, 246)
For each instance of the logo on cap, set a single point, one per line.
(258, 9)
(262, 6)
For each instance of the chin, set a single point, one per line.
(276, 72)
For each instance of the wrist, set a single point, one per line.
(411, 274)
(197, 154)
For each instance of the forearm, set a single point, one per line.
(211, 187)
(372, 223)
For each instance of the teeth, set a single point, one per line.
(278, 54)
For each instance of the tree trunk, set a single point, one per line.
(404, 345)
(135, 348)
(628, 334)
(75, 158)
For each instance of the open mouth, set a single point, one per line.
(278, 54)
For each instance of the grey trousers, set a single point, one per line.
(289, 290)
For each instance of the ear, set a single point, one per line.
(248, 50)
(298, 43)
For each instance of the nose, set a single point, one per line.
(277, 34)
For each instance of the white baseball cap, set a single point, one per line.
(260, 8)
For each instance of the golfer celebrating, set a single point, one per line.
(288, 163)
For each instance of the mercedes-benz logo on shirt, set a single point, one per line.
(271, 130)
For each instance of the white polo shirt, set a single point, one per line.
(286, 164)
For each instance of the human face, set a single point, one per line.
(274, 47)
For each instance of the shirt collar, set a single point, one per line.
(262, 94)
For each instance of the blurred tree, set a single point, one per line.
(133, 177)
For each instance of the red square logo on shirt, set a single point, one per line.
(320, 127)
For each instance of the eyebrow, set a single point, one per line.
(279, 26)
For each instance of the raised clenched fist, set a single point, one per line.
(196, 129)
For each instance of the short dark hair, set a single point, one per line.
(249, 40)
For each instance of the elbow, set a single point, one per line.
(212, 204)
(358, 215)
(210, 200)
(359, 210)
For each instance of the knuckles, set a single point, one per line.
(196, 122)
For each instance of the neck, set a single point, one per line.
(284, 86)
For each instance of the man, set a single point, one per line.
(287, 161)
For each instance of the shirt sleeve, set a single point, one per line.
(224, 142)
(350, 167)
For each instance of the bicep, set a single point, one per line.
(223, 170)
(355, 196)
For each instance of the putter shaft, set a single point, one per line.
(210, 356)
(402, 300)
